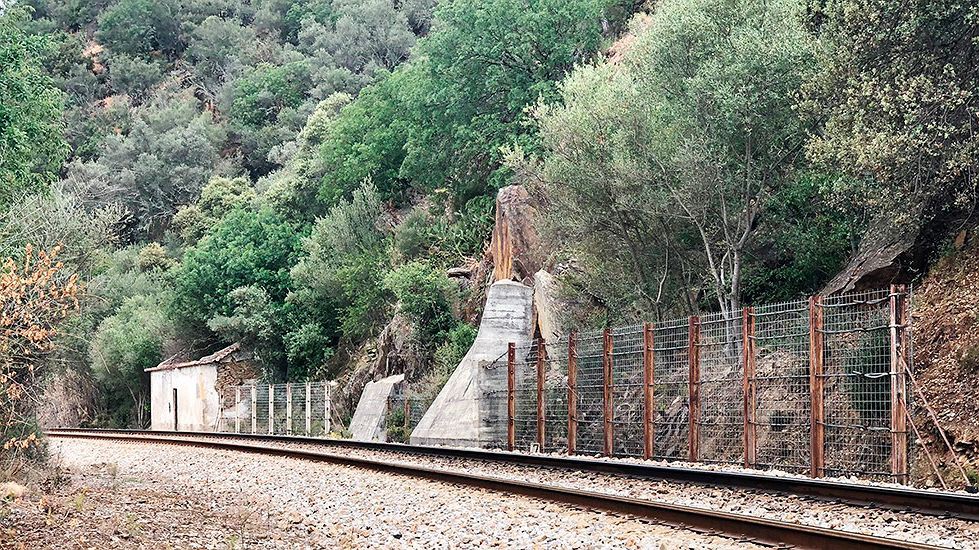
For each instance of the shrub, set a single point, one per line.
(423, 296)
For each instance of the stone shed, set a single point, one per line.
(193, 395)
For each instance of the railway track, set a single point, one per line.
(712, 521)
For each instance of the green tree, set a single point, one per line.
(345, 263)
(31, 145)
(236, 279)
(423, 295)
(894, 96)
(164, 160)
(682, 144)
(141, 27)
(220, 48)
(482, 65)
(125, 344)
(263, 109)
(245, 248)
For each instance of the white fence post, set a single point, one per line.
(326, 408)
(238, 409)
(309, 416)
(254, 409)
(271, 407)
(289, 408)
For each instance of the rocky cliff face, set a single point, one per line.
(945, 314)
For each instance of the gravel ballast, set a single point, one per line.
(157, 495)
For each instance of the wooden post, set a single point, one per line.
(572, 394)
(511, 409)
(237, 409)
(899, 360)
(648, 379)
(607, 359)
(693, 388)
(327, 405)
(817, 424)
(254, 404)
(309, 411)
(271, 406)
(289, 408)
(748, 386)
(541, 421)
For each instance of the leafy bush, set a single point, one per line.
(125, 344)
(423, 295)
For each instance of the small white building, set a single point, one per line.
(194, 395)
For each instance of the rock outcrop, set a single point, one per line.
(515, 248)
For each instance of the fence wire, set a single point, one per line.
(856, 332)
(589, 393)
(782, 399)
(721, 423)
(771, 381)
(671, 392)
(627, 391)
(556, 396)
(296, 409)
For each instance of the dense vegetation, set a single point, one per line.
(293, 174)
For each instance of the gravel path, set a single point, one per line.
(153, 495)
(944, 532)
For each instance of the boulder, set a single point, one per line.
(548, 308)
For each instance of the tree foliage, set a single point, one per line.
(36, 295)
(31, 145)
(682, 144)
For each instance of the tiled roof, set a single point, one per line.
(215, 357)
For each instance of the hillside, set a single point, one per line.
(318, 180)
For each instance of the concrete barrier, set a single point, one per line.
(462, 414)
(367, 423)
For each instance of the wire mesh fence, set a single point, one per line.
(555, 395)
(857, 384)
(626, 390)
(525, 396)
(589, 393)
(302, 408)
(671, 391)
(800, 386)
(781, 383)
(721, 420)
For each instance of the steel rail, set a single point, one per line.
(744, 527)
(939, 503)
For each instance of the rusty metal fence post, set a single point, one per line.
(541, 421)
(693, 388)
(648, 384)
(608, 429)
(899, 359)
(817, 425)
(572, 394)
(511, 380)
(748, 346)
